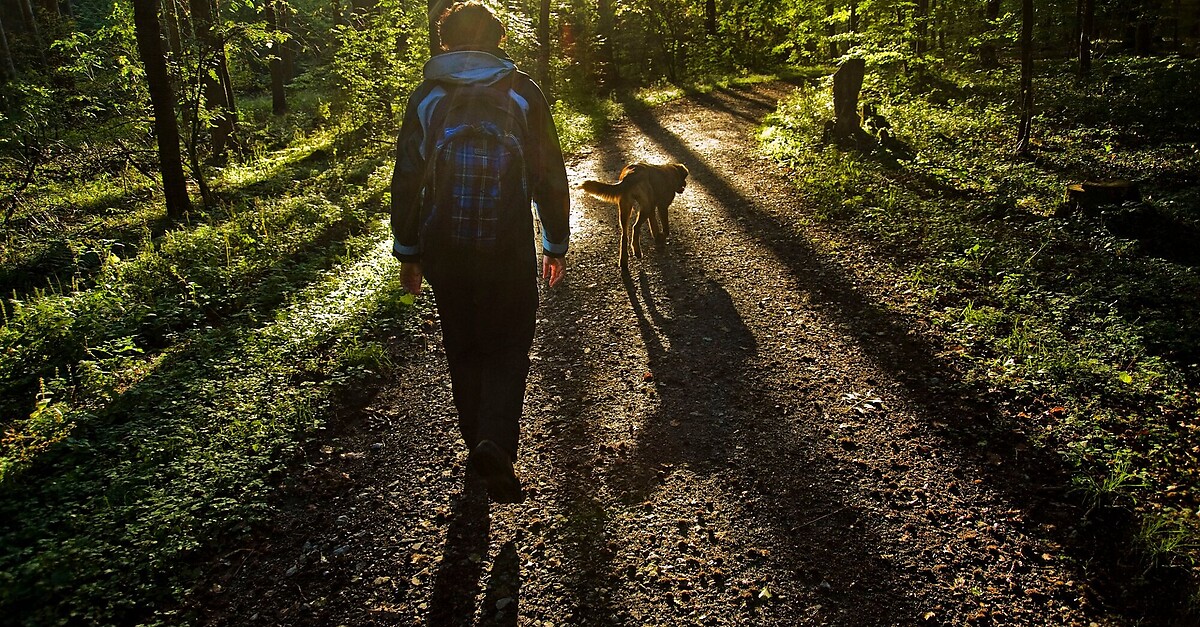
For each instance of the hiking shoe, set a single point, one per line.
(496, 469)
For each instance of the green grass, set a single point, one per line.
(1083, 329)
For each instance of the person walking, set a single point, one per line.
(476, 146)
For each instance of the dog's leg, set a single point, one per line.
(637, 229)
(656, 228)
(625, 212)
(665, 223)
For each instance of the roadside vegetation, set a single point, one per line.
(1080, 323)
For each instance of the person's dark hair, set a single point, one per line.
(469, 25)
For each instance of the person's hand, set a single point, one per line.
(410, 277)
(553, 269)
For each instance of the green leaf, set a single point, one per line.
(1125, 377)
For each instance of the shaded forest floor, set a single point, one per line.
(741, 430)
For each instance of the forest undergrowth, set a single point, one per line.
(1079, 325)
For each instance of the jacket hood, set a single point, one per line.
(468, 67)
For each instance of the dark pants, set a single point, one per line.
(487, 329)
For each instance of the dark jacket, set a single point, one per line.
(546, 172)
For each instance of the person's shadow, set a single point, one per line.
(459, 576)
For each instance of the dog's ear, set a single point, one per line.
(682, 172)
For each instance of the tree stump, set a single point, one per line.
(1089, 196)
(846, 129)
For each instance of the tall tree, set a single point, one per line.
(170, 15)
(1026, 98)
(710, 17)
(10, 69)
(831, 31)
(210, 65)
(604, 9)
(148, 31)
(922, 24)
(278, 73)
(987, 50)
(51, 10)
(543, 39)
(31, 24)
(1087, 18)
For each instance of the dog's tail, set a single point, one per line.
(604, 191)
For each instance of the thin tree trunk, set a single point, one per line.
(854, 16)
(543, 39)
(831, 32)
(278, 95)
(611, 71)
(9, 67)
(1085, 37)
(170, 15)
(710, 17)
(148, 30)
(335, 13)
(227, 85)
(1023, 133)
(31, 23)
(194, 153)
(987, 50)
(939, 21)
(212, 57)
(922, 27)
(287, 51)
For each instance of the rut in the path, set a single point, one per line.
(737, 432)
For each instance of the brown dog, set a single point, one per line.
(642, 194)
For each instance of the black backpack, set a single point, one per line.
(476, 200)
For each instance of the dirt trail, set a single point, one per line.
(739, 432)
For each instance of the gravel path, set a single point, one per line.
(742, 431)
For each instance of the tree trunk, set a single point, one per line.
(335, 13)
(1026, 99)
(987, 50)
(148, 31)
(846, 128)
(543, 38)
(1085, 37)
(710, 17)
(611, 71)
(50, 7)
(287, 51)
(922, 27)
(31, 24)
(212, 59)
(170, 15)
(10, 69)
(939, 11)
(854, 16)
(831, 32)
(278, 95)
